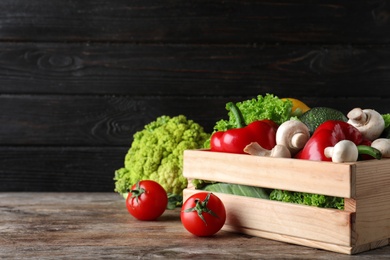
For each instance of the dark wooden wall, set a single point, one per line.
(78, 78)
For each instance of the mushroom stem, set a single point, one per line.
(298, 140)
(255, 148)
(358, 117)
(368, 121)
(293, 134)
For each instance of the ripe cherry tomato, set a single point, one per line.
(203, 214)
(147, 200)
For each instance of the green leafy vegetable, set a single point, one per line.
(386, 131)
(386, 118)
(309, 199)
(263, 107)
(237, 189)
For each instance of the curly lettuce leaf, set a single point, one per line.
(263, 107)
(386, 131)
(259, 108)
(386, 118)
(309, 199)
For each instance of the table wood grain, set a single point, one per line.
(98, 226)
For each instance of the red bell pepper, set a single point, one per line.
(328, 134)
(234, 140)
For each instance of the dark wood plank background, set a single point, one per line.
(79, 78)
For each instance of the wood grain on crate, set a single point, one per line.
(295, 175)
(287, 222)
(361, 226)
(373, 201)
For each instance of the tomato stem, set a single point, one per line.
(200, 207)
(137, 192)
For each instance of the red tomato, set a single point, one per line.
(203, 214)
(147, 200)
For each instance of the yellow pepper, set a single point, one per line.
(298, 106)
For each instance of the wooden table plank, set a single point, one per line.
(213, 21)
(97, 225)
(197, 70)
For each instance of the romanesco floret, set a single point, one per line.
(156, 153)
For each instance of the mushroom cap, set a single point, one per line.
(383, 145)
(343, 151)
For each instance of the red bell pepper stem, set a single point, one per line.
(240, 121)
(236, 139)
(368, 152)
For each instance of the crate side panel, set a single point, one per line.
(372, 202)
(278, 173)
(324, 225)
(370, 246)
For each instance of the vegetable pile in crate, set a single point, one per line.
(361, 226)
(332, 167)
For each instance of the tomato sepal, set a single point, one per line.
(147, 200)
(200, 207)
(203, 214)
(138, 191)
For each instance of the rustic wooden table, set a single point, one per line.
(97, 225)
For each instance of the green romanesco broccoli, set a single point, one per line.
(156, 153)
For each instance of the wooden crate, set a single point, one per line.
(363, 225)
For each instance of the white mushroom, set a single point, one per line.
(255, 148)
(383, 145)
(343, 151)
(293, 134)
(369, 122)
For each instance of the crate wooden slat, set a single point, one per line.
(278, 173)
(373, 201)
(363, 225)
